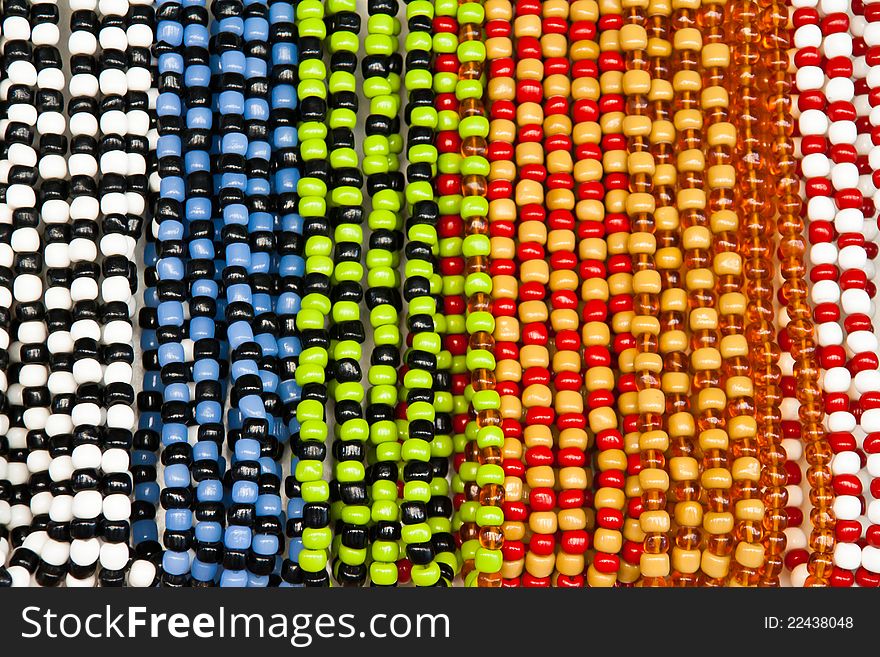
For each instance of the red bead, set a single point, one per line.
(404, 570)
(867, 579)
(848, 531)
(570, 499)
(795, 558)
(575, 541)
(631, 552)
(542, 544)
(542, 499)
(793, 472)
(872, 535)
(606, 563)
(609, 439)
(538, 456)
(536, 376)
(513, 550)
(795, 516)
(570, 457)
(610, 479)
(609, 518)
(840, 578)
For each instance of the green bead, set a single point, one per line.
(347, 349)
(383, 510)
(445, 83)
(309, 186)
(379, 44)
(423, 306)
(389, 200)
(336, 6)
(345, 195)
(480, 359)
(382, 375)
(453, 286)
(309, 319)
(447, 204)
(415, 268)
(312, 561)
(416, 491)
(356, 429)
(307, 88)
(442, 399)
(480, 321)
(384, 490)
(425, 575)
(490, 437)
(309, 9)
(387, 551)
(474, 126)
(416, 449)
(313, 149)
(439, 485)
(420, 411)
(344, 41)
(445, 43)
(349, 271)
(389, 451)
(344, 158)
(420, 8)
(383, 574)
(312, 130)
(376, 145)
(490, 474)
(427, 341)
(418, 41)
(424, 116)
(349, 471)
(444, 361)
(458, 363)
(350, 391)
(486, 400)
(468, 89)
(449, 558)
(319, 245)
(417, 533)
(315, 491)
(449, 163)
(490, 516)
(477, 283)
(422, 153)
(469, 549)
(379, 258)
(418, 79)
(488, 561)
(308, 470)
(315, 301)
(468, 471)
(448, 120)
(423, 233)
(439, 525)
(471, 51)
(374, 164)
(317, 538)
(382, 218)
(375, 87)
(383, 431)
(383, 24)
(386, 335)
(314, 356)
(313, 27)
(313, 430)
(309, 409)
(341, 81)
(396, 142)
(382, 315)
(446, 7)
(319, 264)
(346, 311)
(349, 233)
(468, 511)
(474, 206)
(417, 379)
(352, 556)
(385, 105)
(471, 12)
(308, 373)
(471, 580)
(420, 190)
(475, 165)
(470, 430)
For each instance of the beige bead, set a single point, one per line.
(706, 358)
(568, 401)
(527, 114)
(647, 281)
(622, 322)
(688, 514)
(511, 407)
(654, 565)
(750, 555)
(529, 68)
(716, 478)
(561, 240)
(632, 531)
(652, 401)
(537, 395)
(566, 361)
(570, 564)
(512, 569)
(598, 580)
(596, 333)
(673, 341)
(527, 25)
(507, 330)
(700, 279)
(559, 161)
(741, 427)
(669, 258)
(609, 498)
(573, 437)
(721, 134)
(599, 378)
(535, 271)
(713, 439)
(555, 9)
(635, 125)
(595, 288)
(502, 247)
(715, 566)
(609, 541)
(513, 489)
(628, 573)
(752, 510)
(502, 170)
(653, 479)
(590, 210)
(587, 171)
(558, 124)
(734, 345)
(675, 383)
(534, 355)
(653, 522)
(529, 192)
(685, 561)
(498, 10)
(718, 523)
(540, 565)
(714, 97)
(690, 199)
(574, 478)
(727, 264)
(739, 386)
(681, 424)
(649, 361)
(541, 476)
(732, 303)
(683, 468)
(584, 10)
(533, 311)
(572, 519)
(716, 55)
(563, 279)
(537, 435)
(557, 84)
(611, 459)
(746, 468)
(662, 132)
(500, 88)
(513, 449)
(564, 320)
(508, 370)
(543, 522)
(688, 38)
(687, 82)
(602, 419)
(514, 531)
(711, 399)
(721, 176)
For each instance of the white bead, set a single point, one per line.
(27, 288)
(138, 79)
(826, 292)
(114, 460)
(53, 166)
(56, 211)
(788, 407)
(35, 541)
(82, 43)
(848, 220)
(41, 503)
(867, 381)
(84, 289)
(86, 414)
(862, 341)
(62, 508)
(838, 44)
(19, 514)
(114, 203)
(139, 35)
(86, 456)
(118, 331)
(847, 507)
(82, 164)
(871, 558)
(83, 123)
(55, 255)
(61, 468)
(20, 196)
(51, 123)
(816, 165)
(83, 250)
(114, 556)
(25, 155)
(872, 34)
(35, 417)
(55, 553)
(844, 175)
(853, 257)
(871, 420)
(113, 81)
(72, 582)
(855, 301)
(141, 574)
(873, 465)
(837, 379)
(823, 253)
(821, 208)
(16, 28)
(87, 370)
(85, 328)
(796, 538)
(138, 122)
(22, 72)
(795, 495)
(808, 36)
(846, 462)
(121, 416)
(113, 7)
(793, 448)
(85, 551)
(873, 512)
(114, 162)
(115, 288)
(20, 577)
(809, 78)
(113, 38)
(842, 132)
(88, 504)
(847, 556)
(45, 34)
(117, 507)
(25, 240)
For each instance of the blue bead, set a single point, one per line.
(148, 491)
(177, 391)
(232, 61)
(203, 572)
(294, 547)
(239, 292)
(255, 68)
(256, 29)
(176, 475)
(209, 490)
(209, 532)
(235, 213)
(204, 288)
(173, 433)
(283, 97)
(247, 449)
(170, 230)
(283, 54)
(196, 36)
(258, 187)
(295, 506)
(205, 450)
(237, 537)
(149, 340)
(231, 102)
(234, 25)
(291, 265)
(265, 544)
(286, 180)
(206, 370)
(178, 520)
(201, 249)
(201, 327)
(243, 367)
(267, 343)
(234, 579)
(152, 382)
(281, 12)
(238, 333)
(288, 304)
(175, 563)
(270, 380)
(168, 146)
(257, 581)
(208, 412)
(261, 263)
(288, 391)
(151, 298)
(169, 32)
(251, 406)
(170, 313)
(268, 505)
(170, 269)
(257, 109)
(171, 62)
(172, 187)
(171, 352)
(144, 530)
(238, 254)
(197, 75)
(234, 143)
(142, 457)
(245, 492)
(292, 222)
(262, 302)
(196, 161)
(234, 181)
